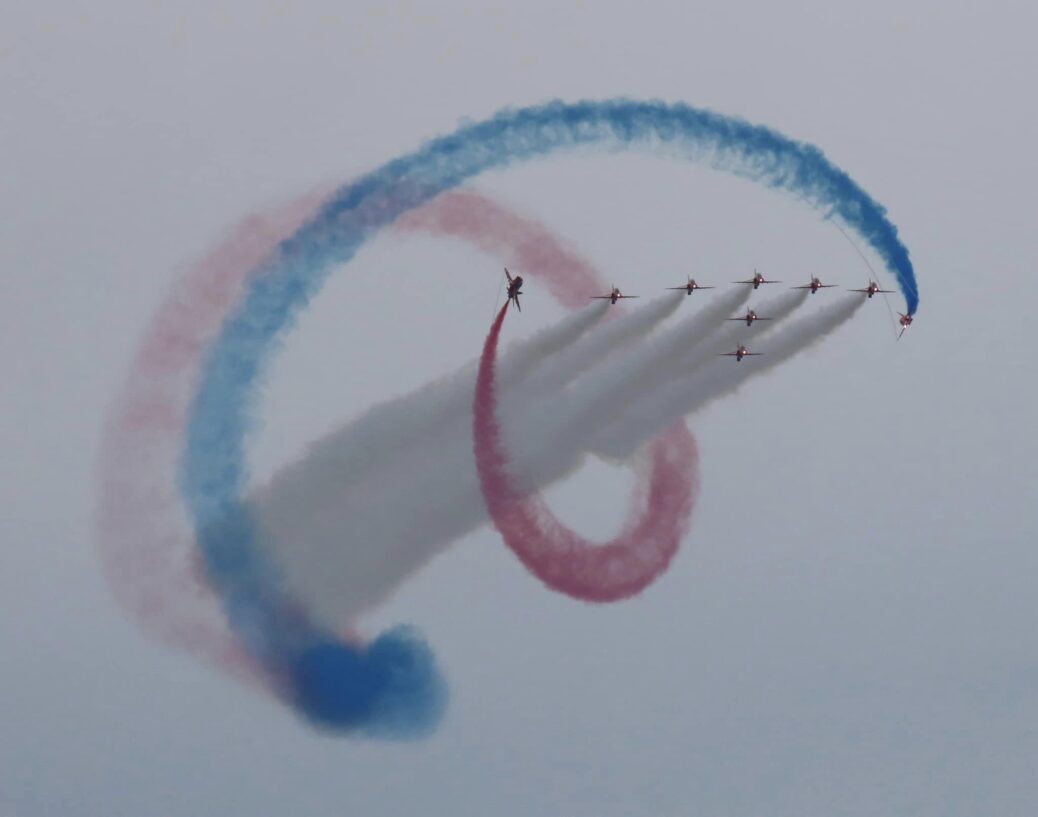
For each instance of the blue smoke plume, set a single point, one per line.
(392, 686)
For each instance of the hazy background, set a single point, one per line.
(850, 626)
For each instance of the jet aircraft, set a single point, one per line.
(612, 297)
(815, 285)
(757, 280)
(871, 289)
(739, 353)
(690, 287)
(515, 288)
(905, 321)
(750, 317)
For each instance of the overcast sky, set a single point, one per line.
(849, 628)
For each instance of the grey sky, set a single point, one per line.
(849, 628)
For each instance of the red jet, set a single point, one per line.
(515, 288)
(739, 353)
(757, 280)
(690, 287)
(905, 321)
(613, 296)
(750, 317)
(871, 289)
(815, 285)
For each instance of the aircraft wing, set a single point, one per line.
(601, 297)
(628, 296)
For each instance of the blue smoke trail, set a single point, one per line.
(393, 686)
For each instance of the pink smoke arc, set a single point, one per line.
(146, 546)
(558, 556)
(497, 231)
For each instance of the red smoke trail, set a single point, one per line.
(559, 557)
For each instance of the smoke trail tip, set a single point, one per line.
(391, 688)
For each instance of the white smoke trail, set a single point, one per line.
(679, 352)
(389, 431)
(393, 434)
(699, 349)
(347, 529)
(684, 397)
(607, 393)
(618, 333)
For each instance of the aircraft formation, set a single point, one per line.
(515, 284)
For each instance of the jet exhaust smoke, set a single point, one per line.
(391, 686)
